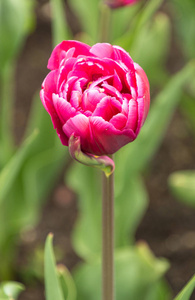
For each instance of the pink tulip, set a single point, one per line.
(120, 3)
(96, 93)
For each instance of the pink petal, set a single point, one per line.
(91, 98)
(99, 81)
(118, 121)
(125, 107)
(143, 90)
(64, 71)
(79, 125)
(49, 84)
(117, 82)
(107, 108)
(131, 82)
(91, 68)
(121, 55)
(112, 91)
(60, 50)
(76, 92)
(132, 115)
(106, 138)
(102, 50)
(63, 108)
(54, 117)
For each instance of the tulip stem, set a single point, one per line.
(108, 237)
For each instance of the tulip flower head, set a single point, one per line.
(97, 94)
(119, 3)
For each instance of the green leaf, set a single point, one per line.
(16, 19)
(187, 290)
(127, 40)
(10, 172)
(86, 181)
(188, 106)
(6, 112)
(36, 174)
(10, 290)
(88, 14)
(52, 284)
(160, 291)
(154, 38)
(67, 283)
(60, 30)
(121, 20)
(137, 272)
(182, 184)
(183, 16)
(131, 202)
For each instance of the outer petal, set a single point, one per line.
(60, 50)
(132, 115)
(54, 117)
(106, 138)
(49, 87)
(120, 54)
(63, 108)
(79, 125)
(143, 90)
(102, 50)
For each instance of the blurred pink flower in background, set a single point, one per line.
(119, 3)
(96, 93)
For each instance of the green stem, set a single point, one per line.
(108, 237)
(105, 16)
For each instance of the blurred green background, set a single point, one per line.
(42, 190)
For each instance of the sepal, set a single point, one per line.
(105, 163)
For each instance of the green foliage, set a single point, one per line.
(52, 284)
(58, 281)
(67, 283)
(16, 19)
(130, 204)
(28, 173)
(60, 29)
(183, 13)
(131, 201)
(79, 177)
(188, 106)
(182, 184)
(10, 290)
(26, 180)
(10, 172)
(138, 273)
(187, 290)
(121, 21)
(87, 12)
(154, 38)
(127, 39)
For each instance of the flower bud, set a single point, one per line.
(96, 93)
